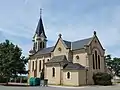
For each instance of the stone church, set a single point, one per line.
(67, 62)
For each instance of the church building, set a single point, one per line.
(67, 62)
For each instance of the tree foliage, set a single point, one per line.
(12, 62)
(114, 64)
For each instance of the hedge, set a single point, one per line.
(102, 78)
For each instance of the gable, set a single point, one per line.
(95, 44)
(60, 48)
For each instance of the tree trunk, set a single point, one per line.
(20, 79)
(7, 81)
(15, 79)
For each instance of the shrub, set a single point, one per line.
(18, 80)
(3, 80)
(24, 80)
(102, 78)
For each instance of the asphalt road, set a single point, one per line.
(116, 87)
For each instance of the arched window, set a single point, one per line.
(53, 72)
(99, 61)
(43, 63)
(43, 44)
(40, 65)
(33, 66)
(96, 59)
(35, 45)
(36, 65)
(93, 61)
(40, 44)
(68, 75)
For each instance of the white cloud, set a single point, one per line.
(16, 33)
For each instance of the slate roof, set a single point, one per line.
(73, 45)
(74, 66)
(77, 44)
(68, 43)
(57, 59)
(65, 63)
(80, 43)
(40, 28)
(45, 51)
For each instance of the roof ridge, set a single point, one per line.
(67, 41)
(47, 48)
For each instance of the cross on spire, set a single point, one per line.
(40, 12)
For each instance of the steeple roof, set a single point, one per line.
(40, 28)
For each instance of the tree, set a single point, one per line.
(109, 61)
(114, 64)
(12, 62)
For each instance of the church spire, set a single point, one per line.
(39, 39)
(40, 28)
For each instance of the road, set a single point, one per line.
(116, 87)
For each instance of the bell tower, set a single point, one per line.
(39, 38)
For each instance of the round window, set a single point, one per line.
(59, 49)
(77, 57)
(47, 59)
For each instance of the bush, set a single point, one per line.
(18, 80)
(3, 80)
(102, 78)
(24, 80)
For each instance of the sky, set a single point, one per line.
(74, 19)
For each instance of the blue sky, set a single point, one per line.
(74, 19)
